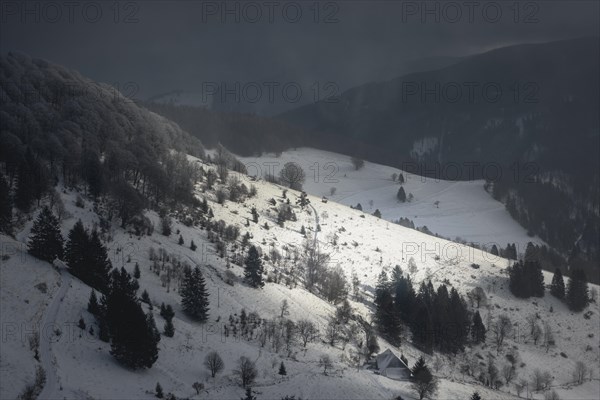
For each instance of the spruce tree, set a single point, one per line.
(158, 391)
(418, 367)
(249, 395)
(577, 291)
(136, 271)
(253, 268)
(536, 278)
(5, 207)
(99, 264)
(386, 317)
(405, 297)
(475, 396)
(145, 297)
(194, 297)
(422, 327)
(93, 306)
(526, 279)
(46, 241)
(494, 250)
(401, 195)
(169, 313)
(133, 334)
(77, 251)
(557, 288)
(169, 329)
(282, 370)
(478, 329)
(181, 242)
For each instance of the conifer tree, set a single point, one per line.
(133, 334)
(253, 268)
(419, 366)
(422, 327)
(136, 271)
(93, 306)
(158, 391)
(423, 381)
(494, 250)
(194, 297)
(475, 396)
(169, 329)
(282, 370)
(557, 288)
(526, 279)
(401, 195)
(249, 395)
(46, 241)
(98, 263)
(386, 318)
(478, 329)
(577, 291)
(77, 251)
(5, 207)
(180, 240)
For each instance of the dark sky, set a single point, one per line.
(162, 46)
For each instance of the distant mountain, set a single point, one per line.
(529, 111)
(255, 97)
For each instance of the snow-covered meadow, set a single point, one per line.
(357, 242)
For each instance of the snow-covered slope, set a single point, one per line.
(365, 245)
(451, 209)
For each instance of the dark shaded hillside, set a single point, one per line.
(57, 125)
(529, 112)
(244, 134)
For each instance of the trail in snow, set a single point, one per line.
(47, 335)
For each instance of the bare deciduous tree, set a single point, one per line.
(246, 371)
(548, 336)
(306, 330)
(214, 363)
(536, 334)
(285, 308)
(501, 328)
(541, 380)
(325, 363)
(580, 372)
(509, 373)
(357, 162)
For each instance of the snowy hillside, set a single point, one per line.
(78, 365)
(451, 209)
